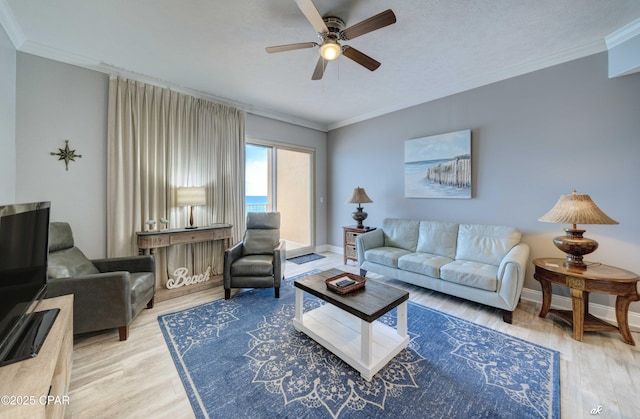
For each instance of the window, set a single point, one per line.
(280, 178)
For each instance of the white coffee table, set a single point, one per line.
(348, 326)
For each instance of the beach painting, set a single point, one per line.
(438, 166)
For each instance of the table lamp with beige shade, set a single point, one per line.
(191, 196)
(576, 209)
(359, 196)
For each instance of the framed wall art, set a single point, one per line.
(438, 166)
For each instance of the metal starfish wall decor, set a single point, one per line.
(66, 154)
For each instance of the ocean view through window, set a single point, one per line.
(254, 203)
(279, 178)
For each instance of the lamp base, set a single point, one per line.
(191, 226)
(359, 216)
(575, 246)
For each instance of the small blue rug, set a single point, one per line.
(309, 257)
(242, 358)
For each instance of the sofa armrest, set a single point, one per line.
(366, 241)
(511, 274)
(144, 263)
(100, 301)
(279, 261)
(230, 255)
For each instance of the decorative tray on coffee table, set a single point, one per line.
(345, 283)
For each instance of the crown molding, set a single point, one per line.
(11, 26)
(623, 34)
(67, 57)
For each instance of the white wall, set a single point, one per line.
(56, 102)
(7, 119)
(534, 137)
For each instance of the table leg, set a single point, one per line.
(578, 300)
(622, 312)
(585, 298)
(546, 296)
(299, 305)
(402, 319)
(366, 348)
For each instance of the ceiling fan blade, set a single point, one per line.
(378, 21)
(290, 47)
(313, 16)
(360, 58)
(319, 71)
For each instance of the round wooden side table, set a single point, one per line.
(596, 278)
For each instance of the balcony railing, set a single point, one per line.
(255, 208)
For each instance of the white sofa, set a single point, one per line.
(481, 263)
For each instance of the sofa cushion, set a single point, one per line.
(253, 265)
(60, 236)
(262, 234)
(438, 238)
(423, 263)
(260, 242)
(387, 256)
(485, 243)
(401, 233)
(69, 263)
(471, 274)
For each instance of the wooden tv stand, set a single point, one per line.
(39, 387)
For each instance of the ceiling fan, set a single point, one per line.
(331, 30)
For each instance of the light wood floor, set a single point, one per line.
(137, 378)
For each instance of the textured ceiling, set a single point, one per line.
(216, 47)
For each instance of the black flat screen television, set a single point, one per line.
(24, 248)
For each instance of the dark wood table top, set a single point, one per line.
(367, 303)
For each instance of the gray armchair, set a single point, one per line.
(258, 260)
(107, 293)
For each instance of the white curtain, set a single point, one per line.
(159, 140)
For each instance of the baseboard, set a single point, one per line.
(328, 248)
(564, 303)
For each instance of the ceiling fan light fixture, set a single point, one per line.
(330, 50)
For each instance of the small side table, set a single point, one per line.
(349, 241)
(597, 278)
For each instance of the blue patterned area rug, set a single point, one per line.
(242, 358)
(309, 257)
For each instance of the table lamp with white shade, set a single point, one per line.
(191, 196)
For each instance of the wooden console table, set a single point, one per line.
(152, 240)
(597, 278)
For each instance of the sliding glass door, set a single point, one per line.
(280, 178)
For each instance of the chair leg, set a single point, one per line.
(277, 292)
(507, 316)
(150, 303)
(123, 331)
(227, 294)
(363, 273)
